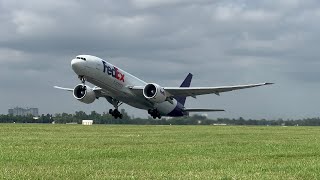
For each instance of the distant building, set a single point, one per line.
(18, 111)
(87, 122)
(10, 111)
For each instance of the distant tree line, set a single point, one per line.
(104, 118)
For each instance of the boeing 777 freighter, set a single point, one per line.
(118, 87)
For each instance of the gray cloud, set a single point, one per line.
(222, 42)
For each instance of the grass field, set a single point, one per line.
(33, 151)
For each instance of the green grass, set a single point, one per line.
(33, 151)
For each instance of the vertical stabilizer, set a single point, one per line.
(185, 83)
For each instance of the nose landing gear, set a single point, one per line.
(82, 79)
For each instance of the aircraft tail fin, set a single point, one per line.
(185, 83)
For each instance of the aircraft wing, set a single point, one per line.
(62, 88)
(195, 91)
(203, 110)
(99, 91)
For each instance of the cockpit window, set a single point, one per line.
(82, 58)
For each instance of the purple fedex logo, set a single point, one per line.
(113, 71)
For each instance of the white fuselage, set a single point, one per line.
(115, 83)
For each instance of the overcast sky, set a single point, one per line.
(222, 42)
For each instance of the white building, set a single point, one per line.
(87, 122)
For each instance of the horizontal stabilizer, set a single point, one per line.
(203, 110)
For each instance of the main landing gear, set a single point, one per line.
(116, 113)
(154, 113)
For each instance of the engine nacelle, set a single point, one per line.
(84, 94)
(154, 93)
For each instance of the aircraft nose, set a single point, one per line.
(74, 64)
(77, 65)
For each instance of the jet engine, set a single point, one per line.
(84, 94)
(154, 93)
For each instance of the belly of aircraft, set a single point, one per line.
(121, 94)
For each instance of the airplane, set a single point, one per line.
(118, 86)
